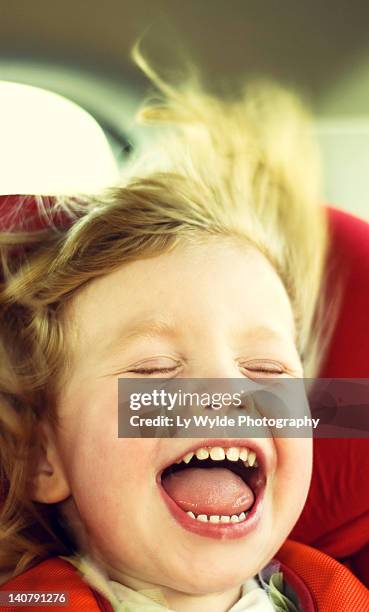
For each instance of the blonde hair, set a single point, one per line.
(244, 168)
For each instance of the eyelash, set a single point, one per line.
(264, 370)
(153, 370)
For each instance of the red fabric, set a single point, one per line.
(305, 597)
(336, 516)
(333, 587)
(348, 355)
(13, 217)
(12, 213)
(56, 576)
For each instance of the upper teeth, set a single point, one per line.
(217, 453)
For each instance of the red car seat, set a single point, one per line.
(336, 516)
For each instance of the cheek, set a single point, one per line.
(106, 474)
(111, 485)
(293, 476)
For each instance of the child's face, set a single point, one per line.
(216, 310)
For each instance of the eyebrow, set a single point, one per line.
(264, 332)
(153, 327)
(147, 327)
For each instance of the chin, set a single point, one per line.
(219, 579)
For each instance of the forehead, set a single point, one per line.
(195, 287)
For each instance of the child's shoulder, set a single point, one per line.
(57, 576)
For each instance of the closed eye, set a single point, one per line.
(158, 365)
(263, 368)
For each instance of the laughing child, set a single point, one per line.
(206, 263)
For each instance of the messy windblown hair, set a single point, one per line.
(244, 167)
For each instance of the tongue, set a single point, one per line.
(209, 491)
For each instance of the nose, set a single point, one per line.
(215, 364)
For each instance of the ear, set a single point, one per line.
(49, 483)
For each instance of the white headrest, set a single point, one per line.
(49, 145)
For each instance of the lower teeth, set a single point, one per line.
(204, 518)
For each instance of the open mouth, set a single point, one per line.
(216, 490)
